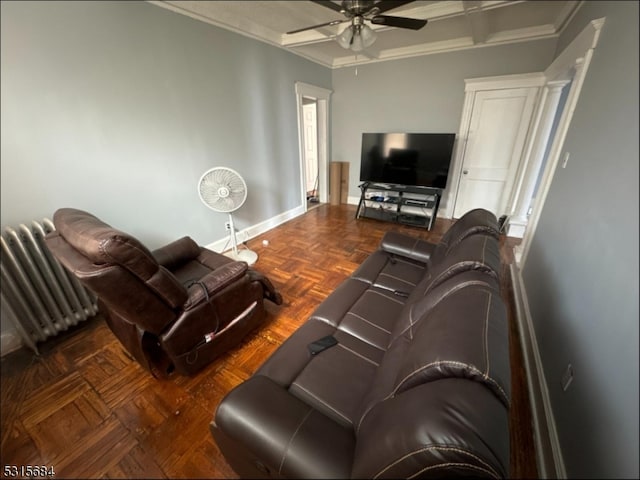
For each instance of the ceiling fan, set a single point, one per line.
(359, 35)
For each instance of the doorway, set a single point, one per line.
(313, 141)
(310, 150)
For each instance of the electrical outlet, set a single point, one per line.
(227, 226)
(567, 378)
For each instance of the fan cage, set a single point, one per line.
(222, 189)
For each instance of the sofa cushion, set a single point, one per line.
(388, 271)
(477, 252)
(461, 337)
(334, 380)
(477, 221)
(372, 317)
(366, 312)
(409, 331)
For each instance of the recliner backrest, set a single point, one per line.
(117, 268)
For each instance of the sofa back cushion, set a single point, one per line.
(440, 399)
(403, 365)
(476, 221)
(449, 428)
(464, 336)
(477, 252)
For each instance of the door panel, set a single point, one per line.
(310, 147)
(497, 132)
(489, 191)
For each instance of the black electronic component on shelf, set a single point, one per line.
(409, 205)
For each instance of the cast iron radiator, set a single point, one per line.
(40, 296)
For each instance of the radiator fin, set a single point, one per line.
(42, 298)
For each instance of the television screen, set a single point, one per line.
(416, 159)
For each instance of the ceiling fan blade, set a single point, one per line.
(333, 22)
(329, 4)
(386, 5)
(400, 22)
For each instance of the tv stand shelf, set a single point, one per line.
(409, 205)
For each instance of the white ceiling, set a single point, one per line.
(453, 25)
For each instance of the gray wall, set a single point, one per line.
(420, 94)
(119, 107)
(581, 275)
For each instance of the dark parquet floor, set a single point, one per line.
(85, 408)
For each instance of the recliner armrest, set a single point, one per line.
(215, 281)
(406, 246)
(289, 436)
(176, 253)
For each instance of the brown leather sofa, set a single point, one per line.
(176, 308)
(416, 384)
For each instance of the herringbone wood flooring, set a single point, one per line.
(87, 409)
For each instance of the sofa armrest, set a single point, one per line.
(213, 282)
(273, 431)
(176, 253)
(406, 246)
(448, 428)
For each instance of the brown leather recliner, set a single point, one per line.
(176, 308)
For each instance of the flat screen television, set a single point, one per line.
(414, 159)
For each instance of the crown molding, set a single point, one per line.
(434, 11)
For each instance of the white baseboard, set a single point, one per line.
(255, 230)
(353, 200)
(548, 453)
(9, 342)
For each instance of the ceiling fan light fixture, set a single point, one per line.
(356, 37)
(346, 37)
(357, 45)
(368, 35)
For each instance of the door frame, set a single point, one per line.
(322, 96)
(571, 65)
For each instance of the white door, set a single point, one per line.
(498, 129)
(310, 148)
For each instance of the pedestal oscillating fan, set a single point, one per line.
(223, 190)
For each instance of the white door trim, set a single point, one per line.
(534, 156)
(573, 62)
(322, 96)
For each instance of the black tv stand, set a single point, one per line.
(409, 205)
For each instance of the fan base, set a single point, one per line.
(248, 256)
